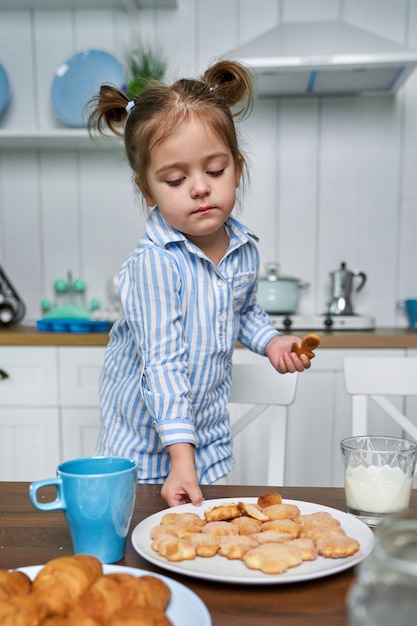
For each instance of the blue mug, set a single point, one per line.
(411, 308)
(97, 495)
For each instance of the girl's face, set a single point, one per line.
(192, 178)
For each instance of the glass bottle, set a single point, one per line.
(78, 292)
(61, 292)
(385, 592)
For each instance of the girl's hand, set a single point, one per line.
(175, 493)
(278, 351)
(181, 486)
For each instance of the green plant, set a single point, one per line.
(143, 65)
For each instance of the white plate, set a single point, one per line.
(185, 607)
(220, 569)
(78, 79)
(4, 89)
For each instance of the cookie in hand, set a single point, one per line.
(309, 343)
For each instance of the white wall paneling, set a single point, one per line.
(332, 179)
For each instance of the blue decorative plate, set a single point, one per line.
(78, 79)
(4, 89)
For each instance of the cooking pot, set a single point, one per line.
(279, 295)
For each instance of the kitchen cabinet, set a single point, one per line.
(48, 408)
(78, 384)
(49, 412)
(29, 442)
(29, 417)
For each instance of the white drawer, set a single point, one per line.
(31, 376)
(29, 443)
(79, 373)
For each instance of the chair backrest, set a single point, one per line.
(374, 378)
(256, 383)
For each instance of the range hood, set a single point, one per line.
(324, 58)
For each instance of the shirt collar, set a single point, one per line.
(163, 234)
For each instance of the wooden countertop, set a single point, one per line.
(400, 338)
(31, 336)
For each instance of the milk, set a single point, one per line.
(377, 489)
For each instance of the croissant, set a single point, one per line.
(13, 582)
(113, 592)
(309, 343)
(74, 591)
(22, 610)
(62, 581)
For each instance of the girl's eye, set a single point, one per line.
(175, 183)
(216, 173)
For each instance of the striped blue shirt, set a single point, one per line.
(167, 369)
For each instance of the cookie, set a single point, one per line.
(205, 545)
(235, 547)
(266, 499)
(253, 510)
(335, 547)
(272, 536)
(246, 525)
(222, 512)
(281, 511)
(273, 558)
(220, 529)
(176, 550)
(316, 533)
(320, 518)
(282, 526)
(191, 519)
(307, 547)
(309, 343)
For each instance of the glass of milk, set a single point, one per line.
(378, 476)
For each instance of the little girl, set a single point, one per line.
(188, 290)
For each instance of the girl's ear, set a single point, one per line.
(238, 170)
(144, 189)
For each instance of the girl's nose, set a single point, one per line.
(199, 186)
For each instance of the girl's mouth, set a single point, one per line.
(204, 209)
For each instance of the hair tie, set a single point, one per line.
(130, 105)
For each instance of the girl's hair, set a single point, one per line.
(160, 110)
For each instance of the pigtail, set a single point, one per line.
(108, 110)
(233, 83)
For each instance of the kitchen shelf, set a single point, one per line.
(88, 4)
(56, 139)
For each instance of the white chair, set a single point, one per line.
(256, 383)
(374, 378)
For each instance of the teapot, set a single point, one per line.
(342, 288)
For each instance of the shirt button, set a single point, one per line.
(221, 317)
(220, 283)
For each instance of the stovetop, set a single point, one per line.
(322, 322)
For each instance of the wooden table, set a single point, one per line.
(32, 537)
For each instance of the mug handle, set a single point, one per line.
(58, 503)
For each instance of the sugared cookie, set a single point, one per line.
(334, 546)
